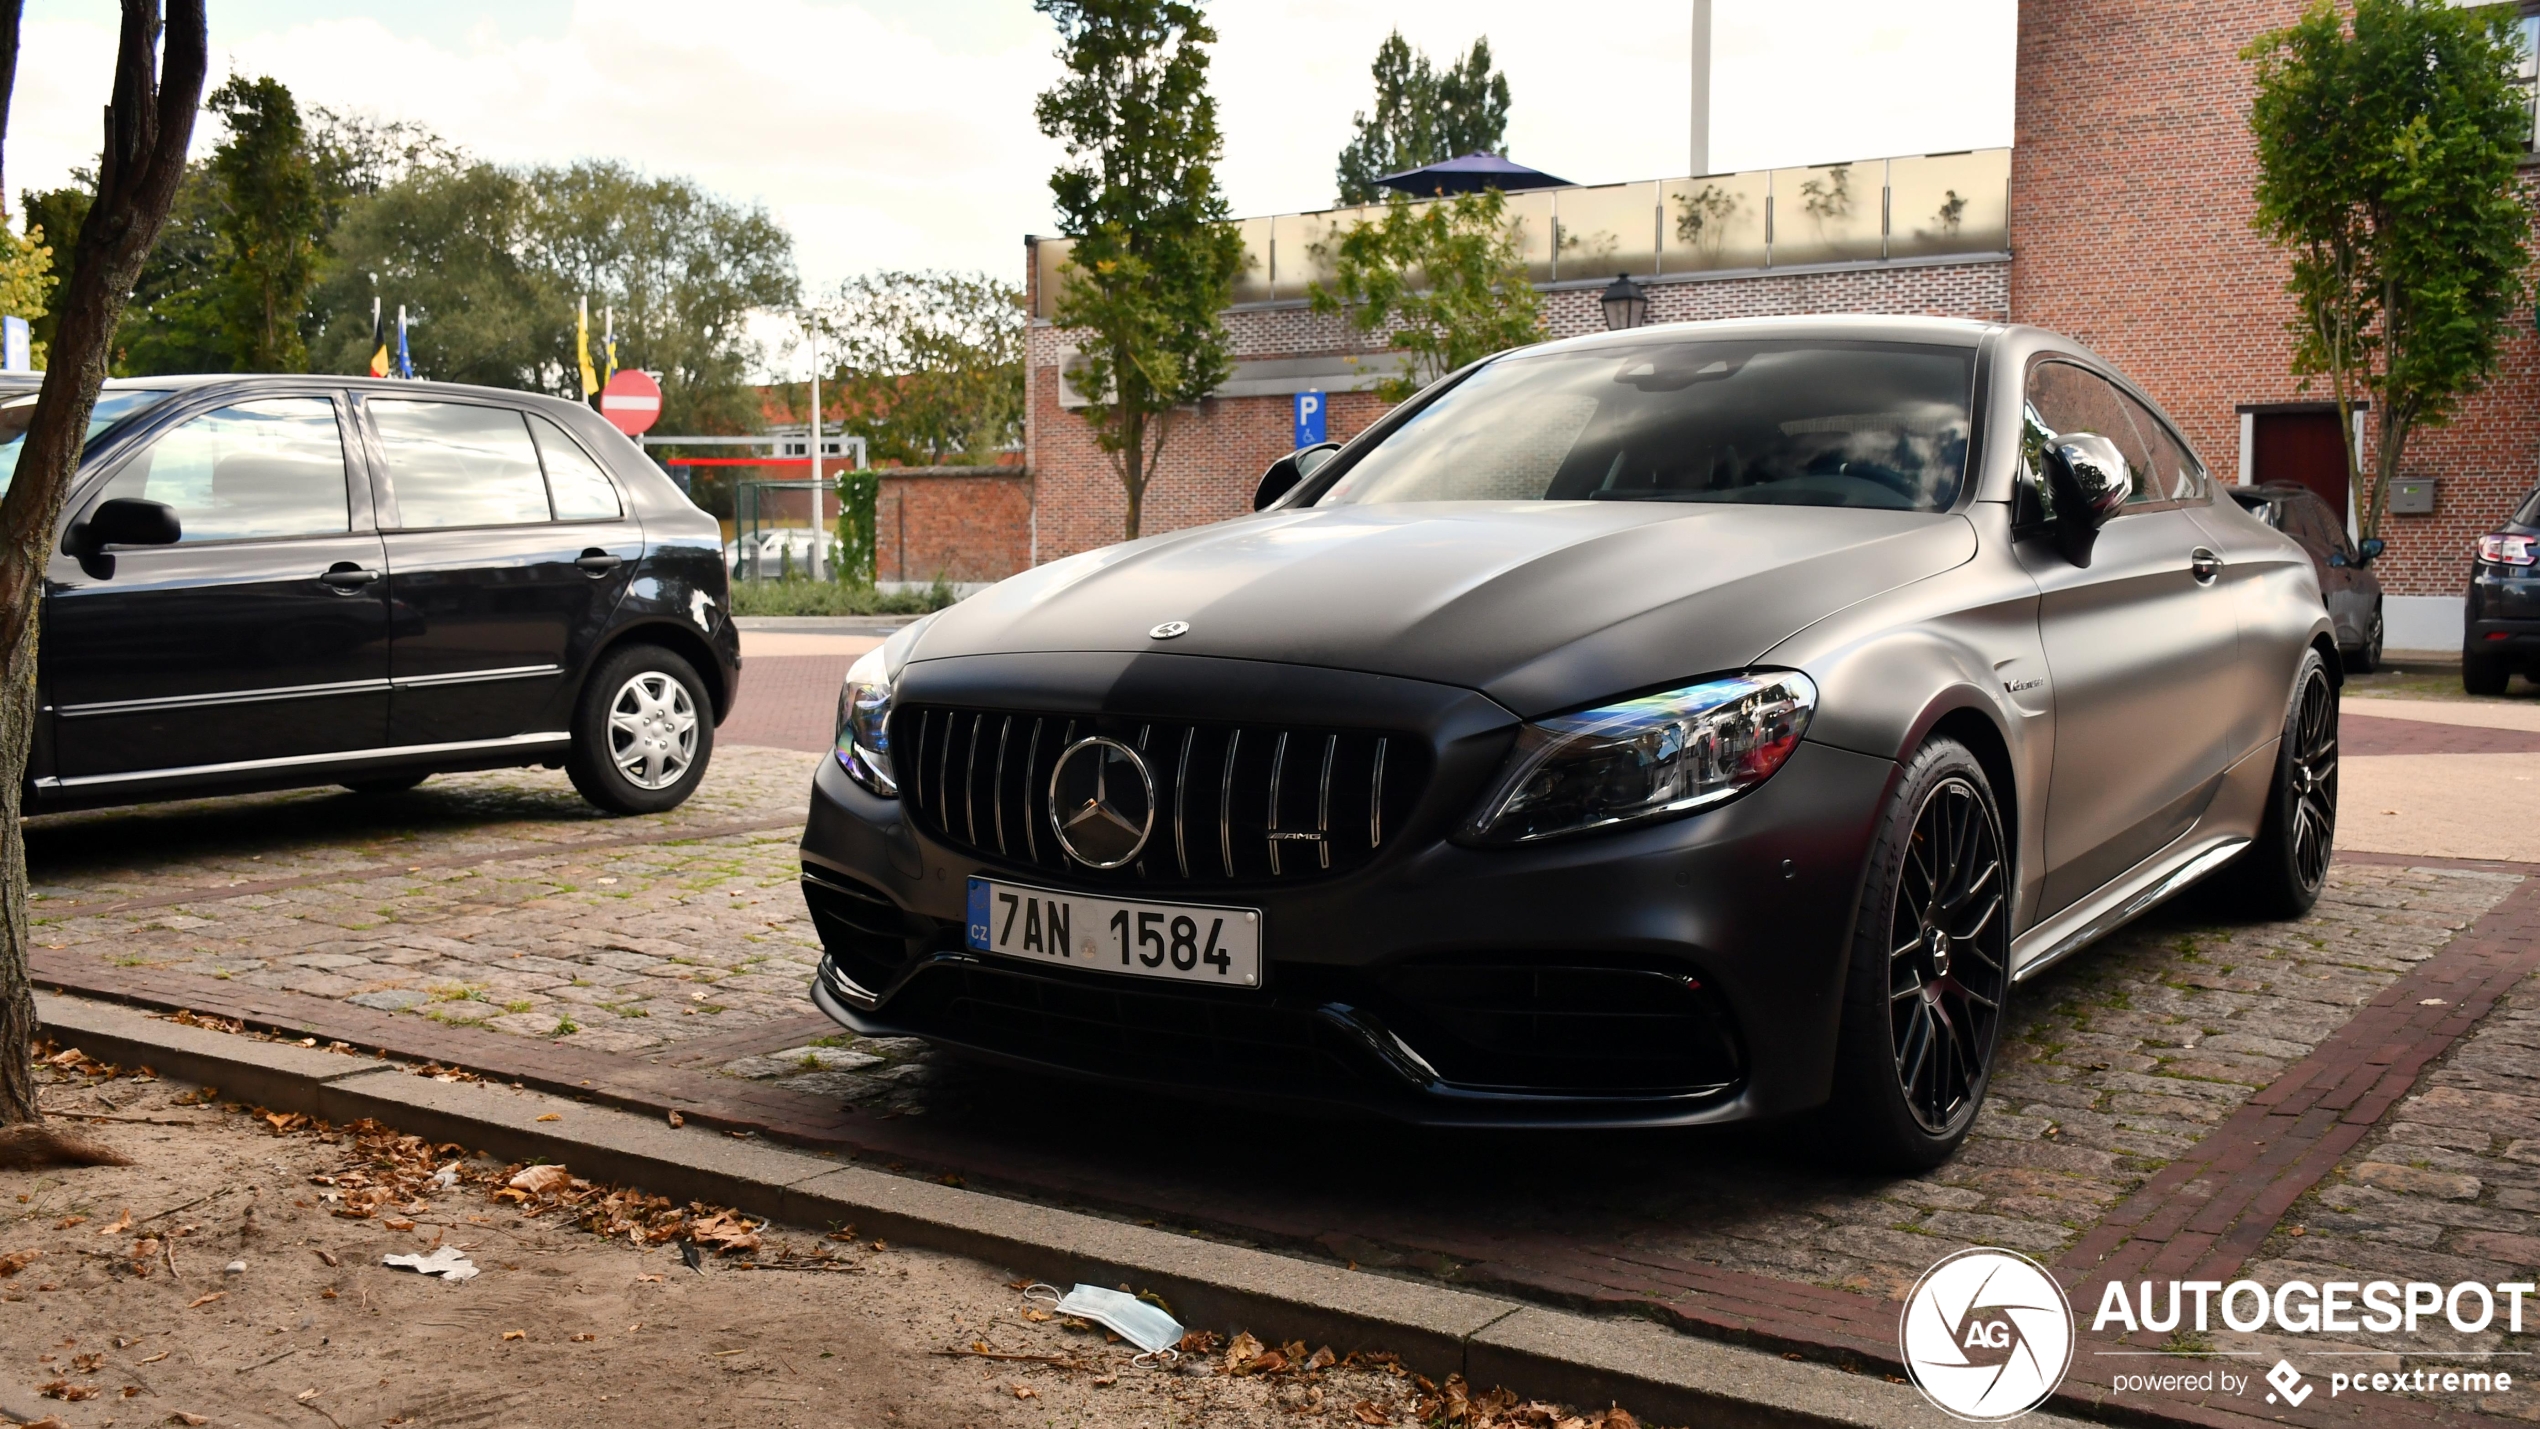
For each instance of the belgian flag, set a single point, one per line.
(379, 363)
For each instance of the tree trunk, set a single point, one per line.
(149, 123)
(1133, 468)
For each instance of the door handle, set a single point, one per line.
(2204, 565)
(347, 577)
(596, 562)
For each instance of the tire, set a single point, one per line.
(387, 784)
(2484, 674)
(2280, 876)
(2367, 657)
(1930, 968)
(643, 732)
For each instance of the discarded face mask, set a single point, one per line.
(1138, 1322)
(447, 1262)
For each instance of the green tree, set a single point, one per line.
(455, 247)
(1443, 280)
(930, 364)
(272, 223)
(57, 214)
(1155, 260)
(1423, 114)
(2388, 143)
(172, 323)
(26, 281)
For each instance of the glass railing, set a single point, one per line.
(1876, 210)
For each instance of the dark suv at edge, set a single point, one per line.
(277, 581)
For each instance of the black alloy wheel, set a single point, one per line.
(1948, 957)
(2281, 874)
(1930, 968)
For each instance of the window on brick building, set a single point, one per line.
(2529, 73)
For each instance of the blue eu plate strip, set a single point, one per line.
(979, 914)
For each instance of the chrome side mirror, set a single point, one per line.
(1287, 472)
(2088, 478)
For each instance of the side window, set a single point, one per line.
(2063, 398)
(455, 464)
(258, 470)
(2176, 472)
(575, 483)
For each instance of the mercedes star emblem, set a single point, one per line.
(1102, 802)
(1169, 629)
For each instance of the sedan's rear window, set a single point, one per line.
(1794, 422)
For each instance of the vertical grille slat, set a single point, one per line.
(1001, 763)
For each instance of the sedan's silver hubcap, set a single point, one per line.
(652, 730)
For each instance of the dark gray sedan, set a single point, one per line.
(1677, 726)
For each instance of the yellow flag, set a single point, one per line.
(582, 349)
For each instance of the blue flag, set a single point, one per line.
(405, 361)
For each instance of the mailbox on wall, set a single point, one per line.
(2412, 496)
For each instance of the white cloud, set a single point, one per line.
(884, 134)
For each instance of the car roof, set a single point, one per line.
(1955, 332)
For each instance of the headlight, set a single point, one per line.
(1648, 758)
(864, 715)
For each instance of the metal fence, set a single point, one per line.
(1870, 211)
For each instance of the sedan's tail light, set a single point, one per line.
(2506, 550)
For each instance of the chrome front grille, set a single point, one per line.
(1232, 803)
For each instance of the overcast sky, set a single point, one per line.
(899, 133)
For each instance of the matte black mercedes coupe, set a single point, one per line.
(1674, 726)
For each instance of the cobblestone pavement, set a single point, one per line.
(2447, 1191)
(2113, 1064)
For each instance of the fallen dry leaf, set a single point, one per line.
(552, 1116)
(154, 1359)
(655, 1279)
(1366, 1412)
(18, 1260)
(1035, 1316)
(179, 1416)
(89, 1363)
(677, 1120)
(515, 1334)
(205, 1299)
(118, 1225)
(578, 1339)
(329, 1257)
(66, 1222)
(53, 1421)
(64, 1389)
(1242, 1352)
(541, 1180)
(304, 1396)
(398, 1223)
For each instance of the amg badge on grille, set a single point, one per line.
(1102, 802)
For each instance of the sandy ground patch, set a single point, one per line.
(771, 644)
(2442, 805)
(233, 1276)
(2484, 714)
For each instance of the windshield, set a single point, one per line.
(1792, 422)
(112, 407)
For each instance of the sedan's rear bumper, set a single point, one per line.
(1687, 972)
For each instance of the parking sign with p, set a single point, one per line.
(1310, 424)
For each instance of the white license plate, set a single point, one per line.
(1185, 942)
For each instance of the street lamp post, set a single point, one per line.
(819, 506)
(1625, 304)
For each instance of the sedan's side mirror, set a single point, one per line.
(2370, 550)
(2086, 474)
(1287, 471)
(124, 521)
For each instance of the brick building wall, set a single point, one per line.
(1216, 453)
(2130, 205)
(961, 523)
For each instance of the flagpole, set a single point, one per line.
(819, 503)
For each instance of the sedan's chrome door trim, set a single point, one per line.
(523, 742)
(95, 708)
(472, 677)
(2120, 903)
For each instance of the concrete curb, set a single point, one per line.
(1658, 1374)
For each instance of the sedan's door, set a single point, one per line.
(2140, 646)
(508, 552)
(262, 636)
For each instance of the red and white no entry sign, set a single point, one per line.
(631, 402)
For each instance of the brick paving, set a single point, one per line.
(791, 702)
(2366, 735)
(488, 921)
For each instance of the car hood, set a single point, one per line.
(1541, 605)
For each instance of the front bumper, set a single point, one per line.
(1683, 973)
